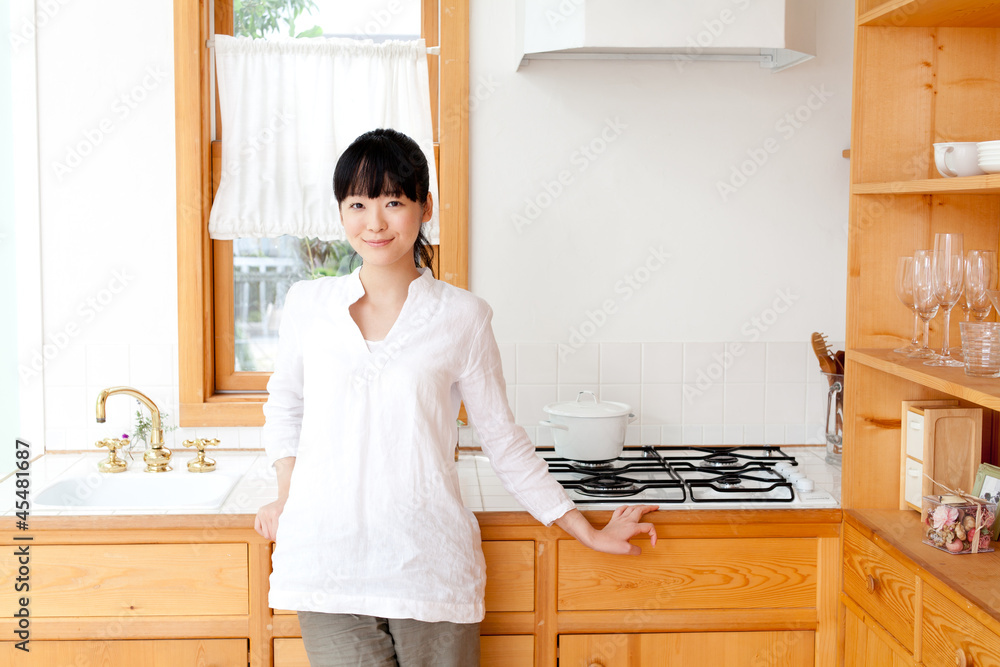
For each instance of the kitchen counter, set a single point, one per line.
(257, 485)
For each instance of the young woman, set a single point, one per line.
(374, 547)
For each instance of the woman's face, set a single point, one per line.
(383, 230)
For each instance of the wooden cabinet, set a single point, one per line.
(881, 585)
(925, 71)
(866, 643)
(733, 649)
(129, 653)
(743, 573)
(953, 637)
(86, 580)
(495, 651)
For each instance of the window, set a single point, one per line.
(230, 292)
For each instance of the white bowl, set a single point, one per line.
(988, 144)
(990, 168)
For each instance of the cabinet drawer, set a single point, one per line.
(139, 580)
(507, 651)
(145, 652)
(747, 573)
(510, 575)
(739, 649)
(496, 651)
(880, 584)
(950, 634)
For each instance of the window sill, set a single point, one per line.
(225, 410)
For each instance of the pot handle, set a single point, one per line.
(561, 427)
(631, 418)
(590, 393)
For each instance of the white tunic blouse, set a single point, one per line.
(374, 522)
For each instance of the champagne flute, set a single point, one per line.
(924, 299)
(904, 290)
(948, 278)
(980, 276)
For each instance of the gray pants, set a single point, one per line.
(350, 640)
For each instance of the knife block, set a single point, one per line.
(942, 440)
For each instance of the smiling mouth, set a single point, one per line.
(378, 243)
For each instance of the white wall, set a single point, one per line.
(549, 260)
(109, 242)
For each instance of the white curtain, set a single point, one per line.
(289, 108)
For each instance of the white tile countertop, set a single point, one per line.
(255, 484)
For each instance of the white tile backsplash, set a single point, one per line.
(749, 362)
(537, 363)
(704, 362)
(661, 404)
(786, 362)
(150, 364)
(704, 405)
(683, 393)
(580, 366)
(621, 363)
(662, 363)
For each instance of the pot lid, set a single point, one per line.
(587, 405)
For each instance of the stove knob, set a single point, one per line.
(782, 466)
(805, 484)
(794, 477)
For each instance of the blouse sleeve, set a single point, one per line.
(283, 409)
(521, 471)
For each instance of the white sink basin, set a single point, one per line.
(82, 486)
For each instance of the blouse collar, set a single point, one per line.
(354, 290)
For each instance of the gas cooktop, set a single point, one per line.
(691, 477)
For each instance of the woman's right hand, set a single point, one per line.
(266, 522)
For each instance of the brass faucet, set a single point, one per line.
(157, 457)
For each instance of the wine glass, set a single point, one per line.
(948, 278)
(925, 301)
(980, 275)
(904, 290)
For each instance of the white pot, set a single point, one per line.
(588, 430)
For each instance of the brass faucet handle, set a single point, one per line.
(201, 443)
(113, 444)
(201, 463)
(112, 463)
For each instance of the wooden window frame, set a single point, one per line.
(203, 264)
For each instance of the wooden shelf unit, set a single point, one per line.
(925, 71)
(952, 381)
(929, 13)
(968, 185)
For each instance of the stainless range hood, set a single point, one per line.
(775, 33)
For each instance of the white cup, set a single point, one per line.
(957, 158)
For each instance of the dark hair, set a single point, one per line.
(386, 162)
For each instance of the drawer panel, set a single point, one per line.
(145, 652)
(495, 651)
(510, 575)
(748, 573)
(507, 651)
(139, 580)
(771, 649)
(880, 584)
(948, 630)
